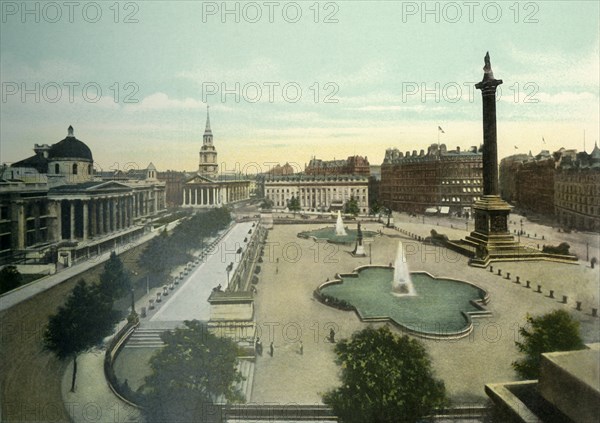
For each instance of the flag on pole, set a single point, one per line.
(441, 130)
(516, 148)
(543, 140)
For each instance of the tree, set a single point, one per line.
(10, 278)
(157, 257)
(86, 318)
(385, 378)
(374, 208)
(114, 280)
(554, 331)
(351, 207)
(189, 374)
(294, 205)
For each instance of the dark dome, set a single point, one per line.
(70, 148)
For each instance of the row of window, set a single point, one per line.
(314, 190)
(74, 168)
(459, 199)
(581, 208)
(579, 199)
(578, 189)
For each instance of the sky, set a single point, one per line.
(287, 81)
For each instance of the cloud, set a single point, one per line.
(568, 98)
(551, 69)
(257, 70)
(161, 101)
(49, 70)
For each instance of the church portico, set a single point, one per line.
(207, 188)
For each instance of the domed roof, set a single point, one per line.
(70, 148)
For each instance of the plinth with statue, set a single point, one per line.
(491, 240)
(359, 249)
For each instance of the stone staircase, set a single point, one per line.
(145, 338)
(246, 368)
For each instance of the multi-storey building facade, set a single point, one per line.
(174, 181)
(353, 165)
(318, 193)
(508, 169)
(437, 181)
(577, 191)
(278, 170)
(535, 184)
(54, 208)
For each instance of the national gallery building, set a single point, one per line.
(54, 208)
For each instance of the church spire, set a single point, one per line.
(207, 130)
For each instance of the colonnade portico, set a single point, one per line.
(86, 217)
(195, 195)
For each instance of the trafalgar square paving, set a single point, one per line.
(302, 366)
(287, 313)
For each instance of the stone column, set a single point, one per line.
(85, 220)
(112, 215)
(155, 201)
(117, 213)
(490, 150)
(21, 226)
(127, 223)
(93, 219)
(58, 224)
(100, 216)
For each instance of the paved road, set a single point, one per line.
(189, 301)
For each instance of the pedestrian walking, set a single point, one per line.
(258, 347)
(331, 335)
(271, 349)
(301, 349)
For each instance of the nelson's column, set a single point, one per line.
(491, 236)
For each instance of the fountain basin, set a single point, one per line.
(329, 234)
(442, 307)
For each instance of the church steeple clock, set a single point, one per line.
(208, 154)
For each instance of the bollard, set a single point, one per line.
(578, 306)
(539, 289)
(528, 284)
(565, 298)
(551, 294)
(595, 312)
(518, 280)
(499, 272)
(491, 269)
(508, 275)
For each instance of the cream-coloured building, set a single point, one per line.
(317, 193)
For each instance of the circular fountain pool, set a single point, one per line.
(440, 308)
(329, 234)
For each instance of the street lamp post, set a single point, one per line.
(132, 302)
(370, 253)
(520, 230)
